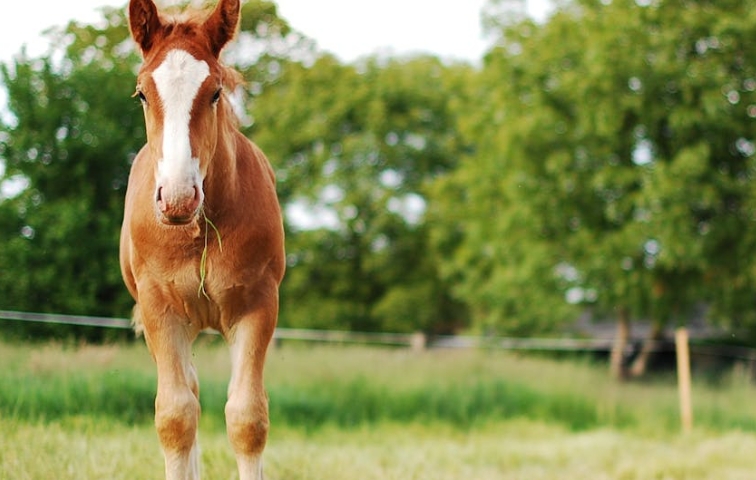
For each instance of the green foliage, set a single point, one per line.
(464, 405)
(613, 166)
(370, 136)
(315, 387)
(73, 129)
(602, 159)
(361, 142)
(49, 398)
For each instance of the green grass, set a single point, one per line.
(315, 386)
(82, 448)
(85, 412)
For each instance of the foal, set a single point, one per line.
(202, 235)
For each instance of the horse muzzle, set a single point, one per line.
(178, 206)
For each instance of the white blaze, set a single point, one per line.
(178, 79)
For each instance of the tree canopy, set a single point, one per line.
(600, 160)
(614, 160)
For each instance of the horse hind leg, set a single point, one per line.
(247, 406)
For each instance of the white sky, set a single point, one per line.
(347, 28)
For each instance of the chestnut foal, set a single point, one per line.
(202, 242)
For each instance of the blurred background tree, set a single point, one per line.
(359, 145)
(599, 161)
(613, 169)
(72, 129)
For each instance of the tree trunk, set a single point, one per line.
(617, 366)
(638, 368)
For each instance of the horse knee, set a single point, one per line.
(176, 419)
(247, 425)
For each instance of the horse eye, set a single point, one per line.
(139, 94)
(216, 96)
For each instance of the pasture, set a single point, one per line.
(338, 412)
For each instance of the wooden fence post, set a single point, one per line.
(683, 378)
(418, 342)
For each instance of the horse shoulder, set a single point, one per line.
(126, 246)
(247, 152)
(269, 237)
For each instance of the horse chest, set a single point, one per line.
(190, 268)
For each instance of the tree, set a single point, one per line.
(361, 141)
(74, 126)
(358, 142)
(612, 167)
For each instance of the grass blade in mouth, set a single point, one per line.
(203, 259)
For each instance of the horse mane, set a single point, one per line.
(232, 79)
(190, 15)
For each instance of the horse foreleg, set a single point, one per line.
(247, 406)
(177, 407)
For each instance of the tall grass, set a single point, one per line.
(315, 386)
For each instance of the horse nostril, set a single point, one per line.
(159, 194)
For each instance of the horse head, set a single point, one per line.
(180, 86)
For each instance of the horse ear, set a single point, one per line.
(221, 24)
(144, 23)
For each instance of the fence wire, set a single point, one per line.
(417, 341)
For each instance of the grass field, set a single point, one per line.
(85, 412)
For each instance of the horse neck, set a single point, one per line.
(219, 183)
